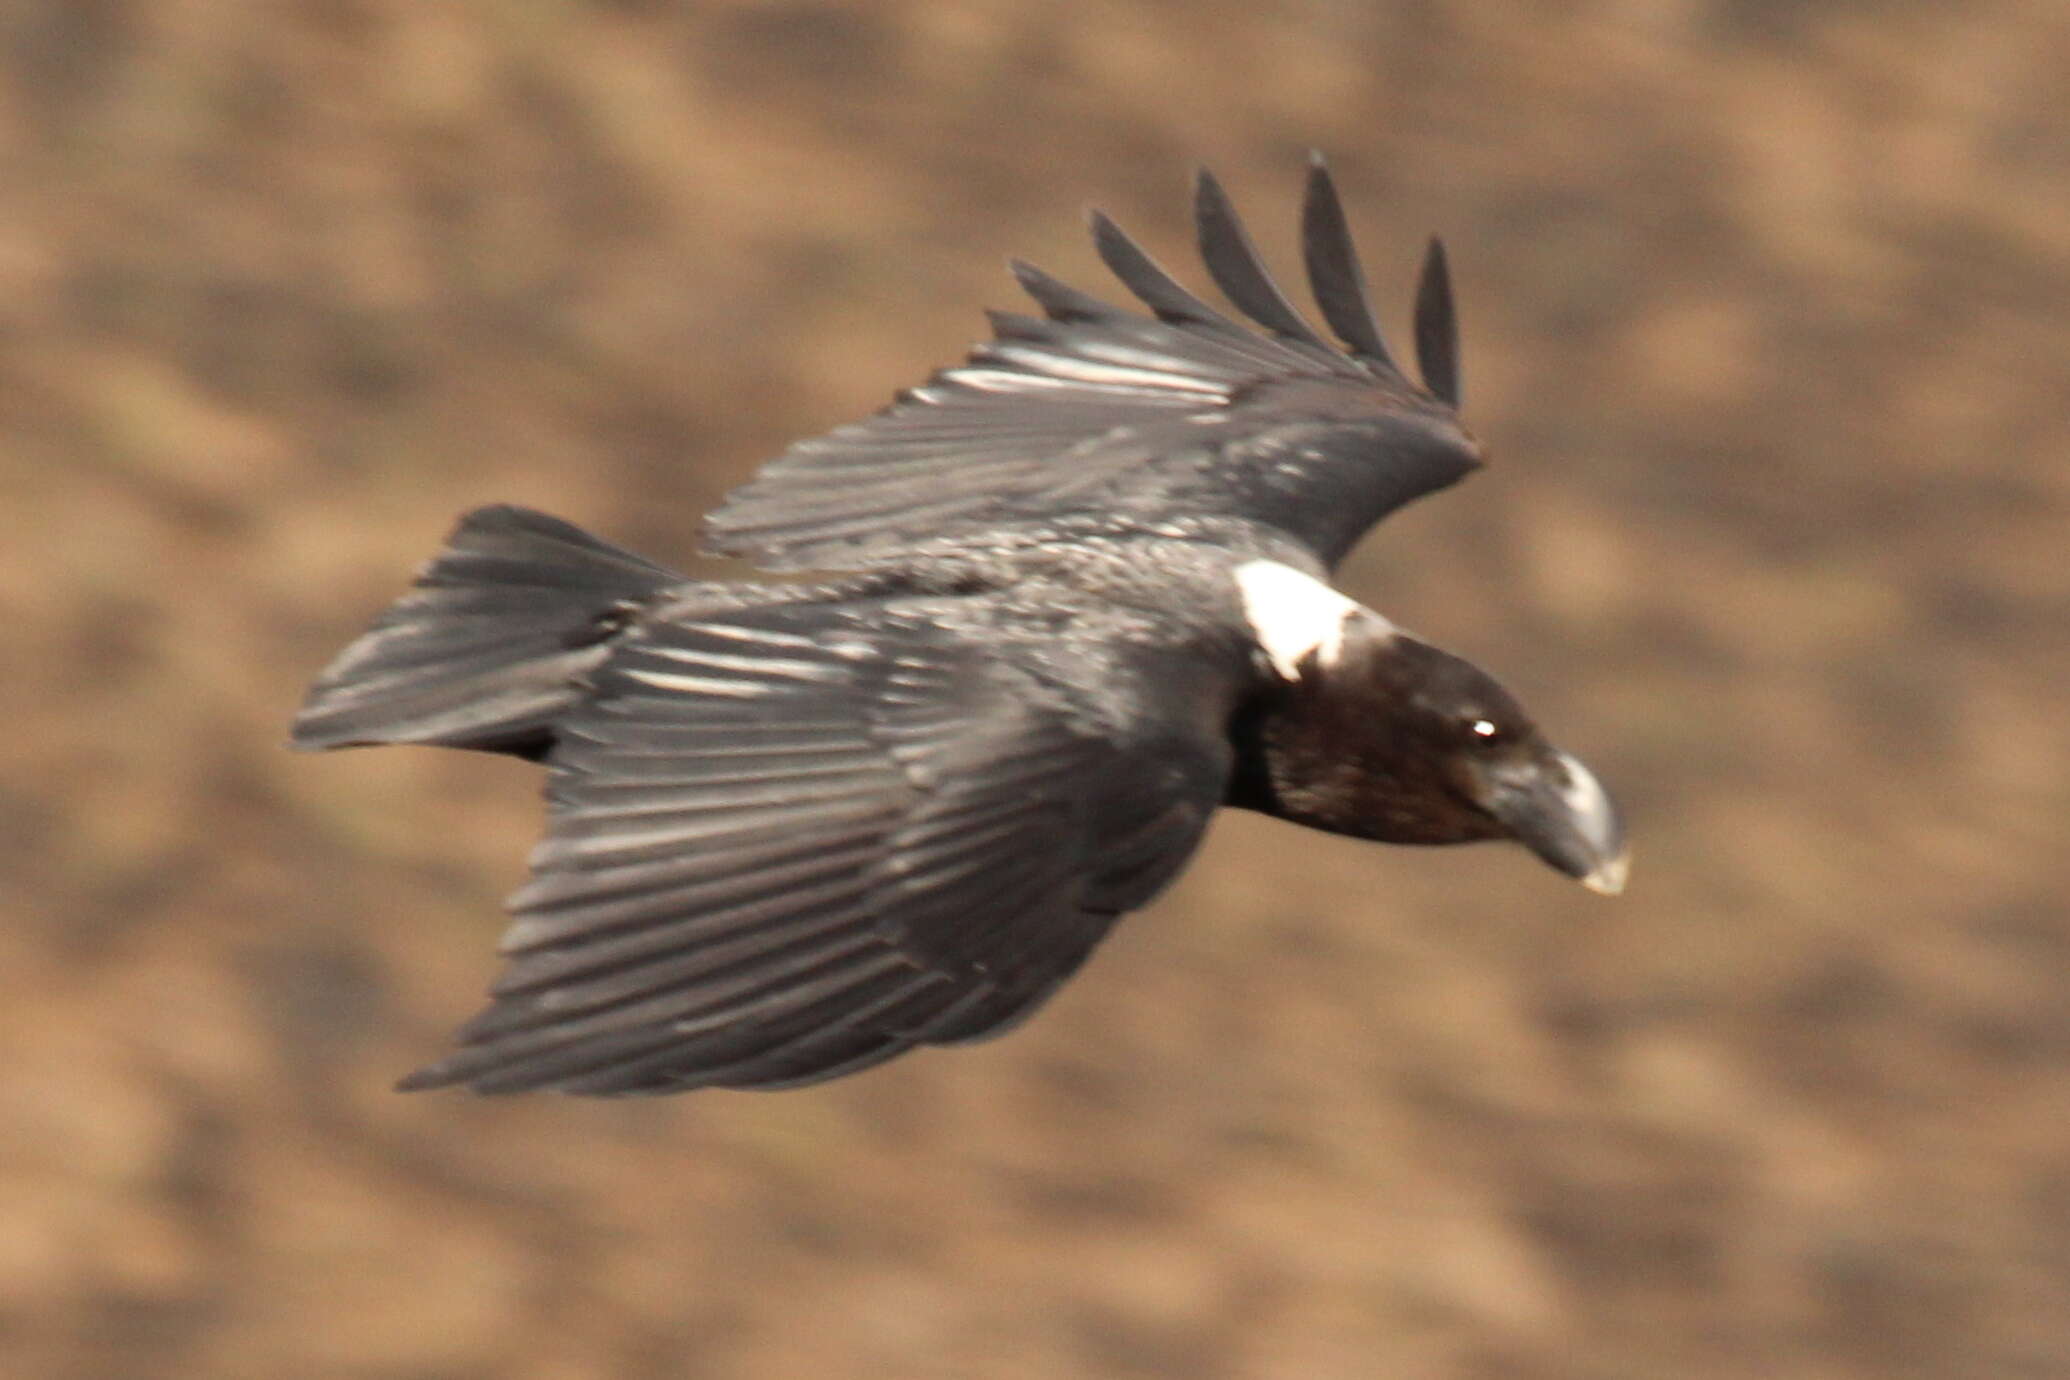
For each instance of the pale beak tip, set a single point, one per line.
(1609, 879)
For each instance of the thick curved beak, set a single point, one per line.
(1558, 810)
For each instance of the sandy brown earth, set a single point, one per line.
(1767, 331)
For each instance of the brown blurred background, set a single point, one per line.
(1766, 328)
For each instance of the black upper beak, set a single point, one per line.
(1555, 807)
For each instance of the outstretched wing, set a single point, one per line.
(1090, 409)
(794, 843)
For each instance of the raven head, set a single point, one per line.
(1376, 734)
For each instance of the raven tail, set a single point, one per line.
(489, 645)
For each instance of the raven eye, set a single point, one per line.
(1486, 731)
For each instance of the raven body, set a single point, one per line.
(1075, 599)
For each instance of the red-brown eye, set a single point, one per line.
(1486, 731)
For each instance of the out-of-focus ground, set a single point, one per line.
(1768, 331)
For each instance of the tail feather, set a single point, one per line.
(487, 647)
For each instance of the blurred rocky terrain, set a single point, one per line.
(1767, 329)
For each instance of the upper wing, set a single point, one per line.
(1094, 410)
(790, 844)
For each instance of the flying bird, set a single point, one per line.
(1071, 595)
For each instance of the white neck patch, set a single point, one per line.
(1294, 615)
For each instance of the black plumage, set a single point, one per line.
(1094, 410)
(797, 829)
